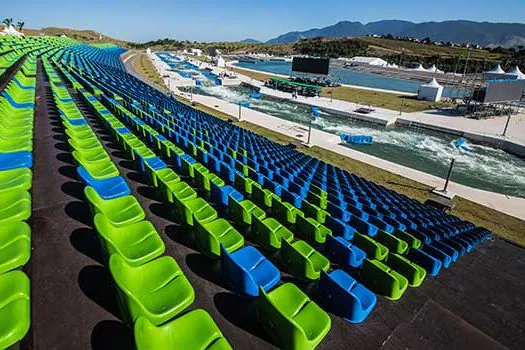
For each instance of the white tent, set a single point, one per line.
(515, 72)
(495, 73)
(496, 70)
(431, 91)
(434, 69)
(11, 31)
(420, 68)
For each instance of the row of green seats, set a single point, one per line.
(152, 289)
(16, 144)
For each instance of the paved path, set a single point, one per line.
(509, 205)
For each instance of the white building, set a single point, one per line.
(431, 91)
(195, 52)
(221, 63)
(372, 61)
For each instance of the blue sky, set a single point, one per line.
(209, 20)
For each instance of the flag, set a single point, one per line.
(315, 112)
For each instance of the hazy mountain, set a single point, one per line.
(386, 27)
(340, 29)
(481, 33)
(251, 41)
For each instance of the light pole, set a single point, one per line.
(309, 130)
(507, 124)
(240, 107)
(449, 174)
(466, 64)
(402, 105)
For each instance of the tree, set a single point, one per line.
(8, 21)
(20, 26)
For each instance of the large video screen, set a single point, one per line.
(504, 91)
(311, 65)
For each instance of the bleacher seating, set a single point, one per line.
(226, 186)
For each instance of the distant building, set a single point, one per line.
(221, 63)
(195, 52)
(372, 61)
(431, 91)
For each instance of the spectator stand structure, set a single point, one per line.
(297, 236)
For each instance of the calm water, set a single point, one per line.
(350, 77)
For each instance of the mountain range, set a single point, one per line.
(460, 31)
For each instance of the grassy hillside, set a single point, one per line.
(418, 49)
(87, 36)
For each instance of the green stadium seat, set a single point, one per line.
(15, 309)
(412, 241)
(167, 181)
(194, 330)
(15, 206)
(269, 233)
(157, 290)
(262, 196)
(414, 273)
(195, 209)
(15, 179)
(15, 245)
(136, 243)
(291, 319)
(121, 211)
(393, 243)
(285, 212)
(242, 211)
(383, 280)
(311, 230)
(372, 248)
(303, 261)
(209, 237)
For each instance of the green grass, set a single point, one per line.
(380, 99)
(420, 49)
